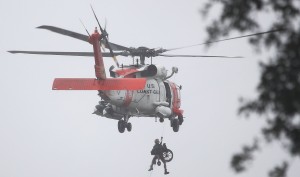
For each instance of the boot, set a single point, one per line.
(150, 169)
(166, 172)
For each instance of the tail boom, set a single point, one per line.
(95, 84)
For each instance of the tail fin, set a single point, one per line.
(99, 65)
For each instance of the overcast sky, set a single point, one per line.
(53, 133)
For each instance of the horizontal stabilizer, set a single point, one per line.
(94, 84)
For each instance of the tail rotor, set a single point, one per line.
(105, 38)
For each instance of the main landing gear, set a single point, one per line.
(124, 124)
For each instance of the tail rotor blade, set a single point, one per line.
(85, 28)
(103, 47)
(105, 25)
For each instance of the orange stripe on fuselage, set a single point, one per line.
(176, 101)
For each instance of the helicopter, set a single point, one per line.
(136, 90)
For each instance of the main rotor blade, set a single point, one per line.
(89, 54)
(78, 36)
(210, 56)
(115, 47)
(65, 32)
(209, 42)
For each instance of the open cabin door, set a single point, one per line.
(168, 93)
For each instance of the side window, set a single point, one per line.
(178, 91)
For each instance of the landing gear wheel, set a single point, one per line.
(168, 155)
(161, 120)
(121, 126)
(180, 118)
(175, 125)
(129, 126)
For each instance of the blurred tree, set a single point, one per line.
(278, 99)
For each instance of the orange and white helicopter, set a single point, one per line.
(138, 90)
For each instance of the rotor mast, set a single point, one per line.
(99, 64)
(142, 59)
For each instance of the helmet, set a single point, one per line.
(156, 141)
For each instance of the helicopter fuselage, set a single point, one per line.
(159, 98)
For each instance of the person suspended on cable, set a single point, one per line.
(158, 150)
